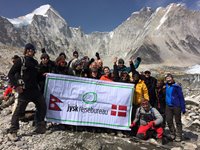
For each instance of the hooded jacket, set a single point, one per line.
(174, 96)
(141, 91)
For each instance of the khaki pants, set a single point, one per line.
(15, 103)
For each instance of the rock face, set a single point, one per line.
(166, 35)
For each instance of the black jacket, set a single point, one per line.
(30, 77)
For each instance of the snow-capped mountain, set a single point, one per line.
(169, 36)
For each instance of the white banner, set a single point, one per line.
(88, 102)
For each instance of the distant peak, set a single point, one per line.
(176, 5)
(146, 9)
(27, 19)
(41, 10)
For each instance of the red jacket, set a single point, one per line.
(105, 78)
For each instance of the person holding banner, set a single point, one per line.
(149, 119)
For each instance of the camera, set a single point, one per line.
(21, 83)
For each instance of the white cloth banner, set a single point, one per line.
(88, 102)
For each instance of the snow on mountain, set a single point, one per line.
(194, 69)
(27, 19)
(167, 36)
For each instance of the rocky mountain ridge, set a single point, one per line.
(165, 36)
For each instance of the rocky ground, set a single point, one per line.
(63, 137)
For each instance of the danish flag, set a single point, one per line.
(118, 110)
(52, 103)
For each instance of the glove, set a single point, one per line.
(91, 61)
(151, 124)
(97, 55)
(132, 125)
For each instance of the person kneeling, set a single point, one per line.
(149, 120)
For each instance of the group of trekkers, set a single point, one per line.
(155, 102)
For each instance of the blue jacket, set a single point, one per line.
(174, 96)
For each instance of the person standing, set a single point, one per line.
(151, 86)
(175, 104)
(24, 76)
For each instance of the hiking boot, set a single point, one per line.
(178, 139)
(12, 136)
(41, 128)
(171, 137)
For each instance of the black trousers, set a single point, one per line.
(40, 104)
(170, 113)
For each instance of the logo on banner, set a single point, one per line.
(53, 103)
(89, 98)
(118, 110)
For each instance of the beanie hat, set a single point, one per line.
(120, 61)
(29, 46)
(75, 52)
(44, 55)
(63, 54)
(147, 72)
(169, 75)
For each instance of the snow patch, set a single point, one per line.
(158, 9)
(164, 18)
(135, 13)
(111, 34)
(194, 69)
(25, 20)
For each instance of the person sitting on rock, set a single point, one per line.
(149, 119)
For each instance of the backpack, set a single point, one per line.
(23, 67)
(147, 117)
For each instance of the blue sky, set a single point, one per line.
(91, 15)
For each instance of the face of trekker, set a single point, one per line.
(169, 80)
(124, 76)
(94, 74)
(75, 55)
(30, 52)
(159, 84)
(145, 105)
(135, 78)
(100, 64)
(44, 61)
(120, 65)
(62, 63)
(147, 75)
(79, 67)
(106, 71)
(94, 65)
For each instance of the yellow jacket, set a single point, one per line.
(141, 91)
